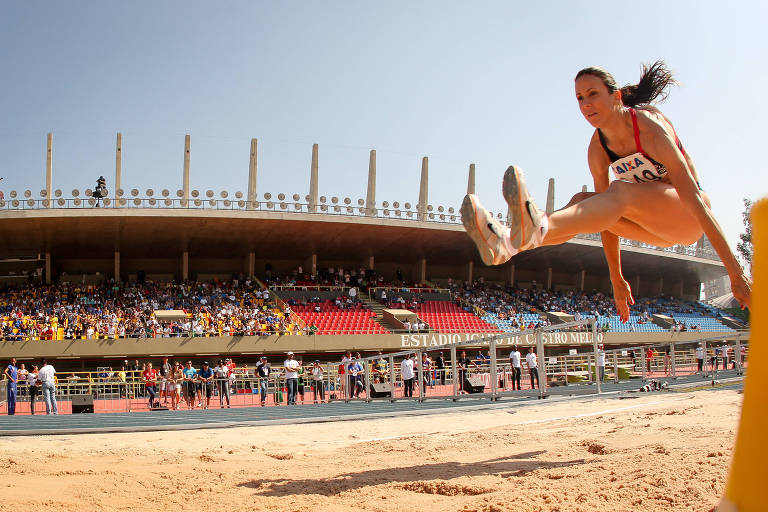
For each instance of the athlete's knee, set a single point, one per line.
(579, 197)
(620, 190)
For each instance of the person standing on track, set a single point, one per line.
(190, 378)
(407, 374)
(47, 378)
(150, 382)
(655, 197)
(222, 383)
(533, 367)
(34, 390)
(12, 374)
(514, 361)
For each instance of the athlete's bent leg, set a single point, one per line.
(639, 211)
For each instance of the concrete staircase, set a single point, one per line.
(375, 306)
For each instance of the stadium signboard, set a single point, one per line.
(249, 347)
(550, 338)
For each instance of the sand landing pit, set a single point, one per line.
(656, 452)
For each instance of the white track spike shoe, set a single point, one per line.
(528, 224)
(491, 238)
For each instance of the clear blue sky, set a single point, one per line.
(460, 82)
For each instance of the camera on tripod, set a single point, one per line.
(101, 188)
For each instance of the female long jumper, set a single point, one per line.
(655, 197)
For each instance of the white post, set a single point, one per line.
(118, 169)
(595, 349)
(49, 171)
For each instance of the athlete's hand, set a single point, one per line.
(622, 296)
(741, 288)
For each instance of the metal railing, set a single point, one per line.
(283, 204)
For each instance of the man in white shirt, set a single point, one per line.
(533, 367)
(291, 377)
(514, 361)
(48, 382)
(601, 363)
(407, 374)
(700, 357)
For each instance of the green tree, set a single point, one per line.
(744, 247)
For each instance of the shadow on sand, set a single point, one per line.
(505, 467)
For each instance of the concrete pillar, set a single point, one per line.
(423, 194)
(471, 179)
(470, 270)
(370, 196)
(423, 270)
(251, 264)
(185, 265)
(682, 289)
(252, 168)
(582, 279)
(310, 264)
(370, 263)
(636, 290)
(661, 286)
(118, 169)
(186, 170)
(549, 278)
(512, 275)
(49, 171)
(551, 197)
(313, 198)
(584, 188)
(48, 266)
(117, 266)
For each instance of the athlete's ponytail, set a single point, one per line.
(654, 83)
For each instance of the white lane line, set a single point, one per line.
(598, 413)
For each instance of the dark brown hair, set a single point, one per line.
(653, 85)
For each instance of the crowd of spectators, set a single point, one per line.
(511, 304)
(72, 311)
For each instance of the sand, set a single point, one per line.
(655, 452)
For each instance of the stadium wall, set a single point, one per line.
(251, 345)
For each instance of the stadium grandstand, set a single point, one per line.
(338, 273)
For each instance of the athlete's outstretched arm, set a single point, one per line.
(622, 294)
(661, 146)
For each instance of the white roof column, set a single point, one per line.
(117, 266)
(185, 187)
(49, 172)
(312, 208)
(423, 189)
(370, 196)
(118, 171)
(471, 179)
(252, 169)
(550, 197)
(470, 270)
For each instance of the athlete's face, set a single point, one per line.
(596, 102)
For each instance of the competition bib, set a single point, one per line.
(637, 168)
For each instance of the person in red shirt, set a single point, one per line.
(150, 381)
(649, 357)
